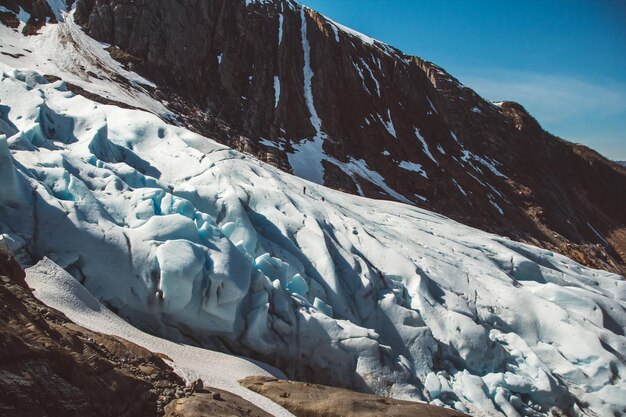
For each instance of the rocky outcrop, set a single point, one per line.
(36, 12)
(210, 404)
(312, 400)
(284, 83)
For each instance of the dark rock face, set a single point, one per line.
(281, 82)
(39, 11)
(50, 366)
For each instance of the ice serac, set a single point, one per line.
(345, 97)
(212, 247)
(13, 194)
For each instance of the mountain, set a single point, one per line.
(290, 86)
(283, 83)
(116, 206)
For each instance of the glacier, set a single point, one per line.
(194, 242)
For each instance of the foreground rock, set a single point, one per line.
(213, 403)
(311, 400)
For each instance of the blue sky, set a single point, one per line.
(564, 60)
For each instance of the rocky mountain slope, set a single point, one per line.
(294, 88)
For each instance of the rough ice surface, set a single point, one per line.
(188, 239)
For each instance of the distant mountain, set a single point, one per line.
(621, 162)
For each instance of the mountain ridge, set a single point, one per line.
(203, 245)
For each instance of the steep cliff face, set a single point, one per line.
(290, 86)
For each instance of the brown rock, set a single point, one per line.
(204, 405)
(312, 400)
(197, 385)
(50, 366)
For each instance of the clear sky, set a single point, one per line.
(564, 60)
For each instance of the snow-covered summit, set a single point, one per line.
(194, 241)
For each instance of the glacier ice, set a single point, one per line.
(193, 241)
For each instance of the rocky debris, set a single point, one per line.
(91, 96)
(197, 386)
(312, 400)
(240, 79)
(213, 403)
(51, 366)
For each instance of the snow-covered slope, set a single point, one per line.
(193, 241)
(63, 50)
